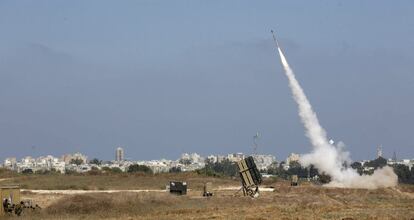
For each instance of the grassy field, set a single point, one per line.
(113, 181)
(303, 202)
(306, 201)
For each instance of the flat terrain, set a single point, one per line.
(306, 201)
(112, 181)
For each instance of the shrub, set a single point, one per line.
(139, 168)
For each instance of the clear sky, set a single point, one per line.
(165, 77)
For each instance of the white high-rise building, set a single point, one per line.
(119, 154)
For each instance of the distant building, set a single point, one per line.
(291, 158)
(379, 151)
(264, 161)
(119, 154)
(192, 158)
(235, 157)
(10, 163)
(212, 159)
(67, 158)
(40, 164)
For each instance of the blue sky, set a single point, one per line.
(165, 77)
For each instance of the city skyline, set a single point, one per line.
(80, 163)
(120, 155)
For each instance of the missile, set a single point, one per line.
(274, 38)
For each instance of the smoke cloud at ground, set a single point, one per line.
(325, 156)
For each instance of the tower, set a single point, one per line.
(394, 157)
(379, 151)
(255, 144)
(119, 154)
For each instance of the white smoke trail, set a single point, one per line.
(325, 156)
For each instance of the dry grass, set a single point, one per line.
(113, 181)
(303, 202)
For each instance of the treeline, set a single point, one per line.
(135, 168)
(405, 175)
(222, 168)
(296, 169)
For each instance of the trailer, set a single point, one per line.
(177, 187)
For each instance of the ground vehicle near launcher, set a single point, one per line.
(294, 180)
(179, 188)
(11, 202)
(208, 189)
(10, 197)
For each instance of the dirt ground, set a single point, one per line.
(306, 201)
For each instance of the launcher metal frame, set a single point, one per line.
(250, 177)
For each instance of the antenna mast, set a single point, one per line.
(255, 142)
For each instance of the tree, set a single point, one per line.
(324, 178)
(116, 170)
(412, 175)
(27, 171)
(95, 161)
(377, 163)
(185, 161)
(278, 171)
(106, 169)
(403, 173)
(139, 168)
(76, 161)
(358, 167)
(225, 167)
(47, 172)
(298, 170)
(294, 164)
(175, 170)
(94, 171)
(112, 170)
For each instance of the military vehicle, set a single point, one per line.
(294, 180)
(208, 189)
(179, 188)
(11, 203)
(250, 176)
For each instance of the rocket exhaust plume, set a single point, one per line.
(325, 156)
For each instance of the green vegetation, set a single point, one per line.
(377, 163)
(95, 161)
(175, 170)
(294, 169)
(76, 161)
(27, 171)
(405, 175)
(139, 168)
(223, 168)
(185, 161)
(47, 172)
